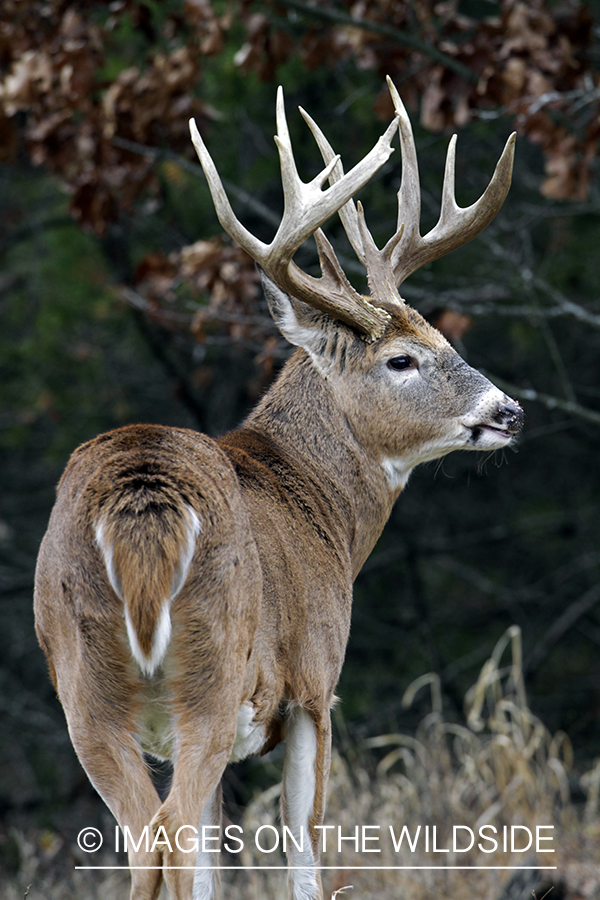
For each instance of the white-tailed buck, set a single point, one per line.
(193, 595)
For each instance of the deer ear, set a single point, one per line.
(298, 322)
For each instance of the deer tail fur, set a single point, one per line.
(147, 555)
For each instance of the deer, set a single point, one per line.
(193, 595)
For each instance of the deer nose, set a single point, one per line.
(510, 416)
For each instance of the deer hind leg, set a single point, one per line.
(188, 822)
(114, 764)
(214, 618)
(206, 690)
(207, 881)
(305, 774)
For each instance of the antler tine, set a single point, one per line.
(376, 262)
(225, 214)
(306, 207)
(406, 250)
(309, 200)
(409, 194)
(348, 212)
(351, 214)
(456, 225)
(303, 203)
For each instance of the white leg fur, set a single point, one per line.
(249, 737)
(299, 784)
(205, 878)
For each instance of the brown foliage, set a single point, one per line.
(53, 58)
(220, 271)
(530, 62)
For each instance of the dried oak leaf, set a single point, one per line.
(155, 276)
(265, 47)
(209, 28)
(452, 324)
(563, 172)
(224, 271)
(220, 270)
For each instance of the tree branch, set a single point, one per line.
(568, 406)
(158, 153)
(560, 626)
(400, 37)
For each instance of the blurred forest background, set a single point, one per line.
(121, 301)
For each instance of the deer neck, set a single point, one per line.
(300, 417)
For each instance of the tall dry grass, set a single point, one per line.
(500, 767)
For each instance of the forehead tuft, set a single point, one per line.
(406, 322)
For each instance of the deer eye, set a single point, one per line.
(401, 362)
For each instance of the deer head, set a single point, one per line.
(384, 362)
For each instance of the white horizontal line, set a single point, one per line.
(336, 868)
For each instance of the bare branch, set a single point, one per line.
(399, 37)
(259, 209)
(568, 406)
(561, 625)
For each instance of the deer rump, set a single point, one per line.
(197, 551)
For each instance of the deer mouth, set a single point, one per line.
(507, 424)
(494, 432)
(498, 429)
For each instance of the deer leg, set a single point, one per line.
(213, 625)
(207, 879)
(114, 764)
(193, 807)
(305, 774)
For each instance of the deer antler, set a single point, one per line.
(456, 225)
(306, 207)
(406, 250)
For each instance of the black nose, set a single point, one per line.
(511, 416)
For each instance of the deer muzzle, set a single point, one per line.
(510, 417)
(496, 421)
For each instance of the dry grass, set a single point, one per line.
(500, 768)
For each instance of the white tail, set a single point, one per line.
(193, 596)
(129, 550)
